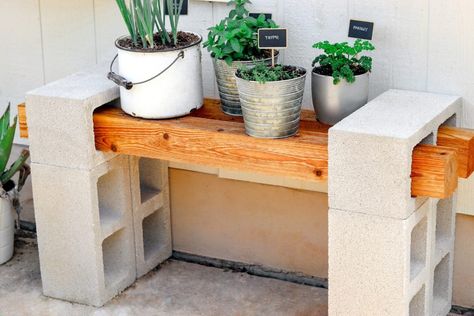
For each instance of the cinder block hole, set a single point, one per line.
(116, 263)
(441, 286)
(418, 248)
(444, 224)
(150, 181)
(110, 201)
(429, 140)
(154, 234)
(417, 303)
(451, 121)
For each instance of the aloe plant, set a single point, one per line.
(145, 18)
(7, 134)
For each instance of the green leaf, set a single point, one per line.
(229, 60)
(6, 142)
(235, 45)
(5, 122)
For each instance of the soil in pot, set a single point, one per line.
(327, 70)
(184, 40)
(265, 73)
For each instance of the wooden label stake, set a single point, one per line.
(273, 39)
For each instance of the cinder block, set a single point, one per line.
(371, 150)
(60, 119)
(151, 213)
(85, 231)
(379, 265)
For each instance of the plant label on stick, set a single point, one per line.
(184, 8)
(268, 16)
(273, 39)
(361, 29)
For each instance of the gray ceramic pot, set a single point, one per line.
(225, 76)
(333, 103)
(272, 109)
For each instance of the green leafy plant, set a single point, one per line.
(235, 37)
(342, 61)
(7, 134)
(145, 18)
(263, 73)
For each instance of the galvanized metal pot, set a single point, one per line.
(225, 76)
(272, 109)
(333, 103)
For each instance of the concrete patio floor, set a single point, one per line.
(176, 288)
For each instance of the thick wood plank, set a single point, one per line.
(463, 141)
(210, 138)
(434, 171)
(221, 144)
(211, 110)
(23, 126)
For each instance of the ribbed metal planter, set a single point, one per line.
(225, 76)
(272, 109)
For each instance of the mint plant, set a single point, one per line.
(235, 37)
(263, 73)
(342, 61)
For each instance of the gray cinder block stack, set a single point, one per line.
(389, 253)
(86, 201)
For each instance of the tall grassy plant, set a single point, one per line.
(174, 14)
(7, 134)
(145, 18)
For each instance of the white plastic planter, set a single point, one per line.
(174, 93)
(7, 230)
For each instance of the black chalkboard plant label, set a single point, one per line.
(273, 39)
(361, 29)
(268, 16)
(184, 7)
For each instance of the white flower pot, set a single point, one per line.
(176, 92)
(7, 230)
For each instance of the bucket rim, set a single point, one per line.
(277, 54)
(276, 82)
(314, 74)
(142, 51)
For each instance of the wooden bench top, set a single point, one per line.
(211, 138)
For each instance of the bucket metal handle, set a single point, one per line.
(123, 82)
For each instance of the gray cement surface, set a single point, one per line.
(176, 288)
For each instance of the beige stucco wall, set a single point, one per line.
(251, 223)
(275, 227)
(463, 294)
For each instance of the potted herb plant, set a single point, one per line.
(159, 71)
(233, 43)
(271, 99)
(340, 79)
(7, 222)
